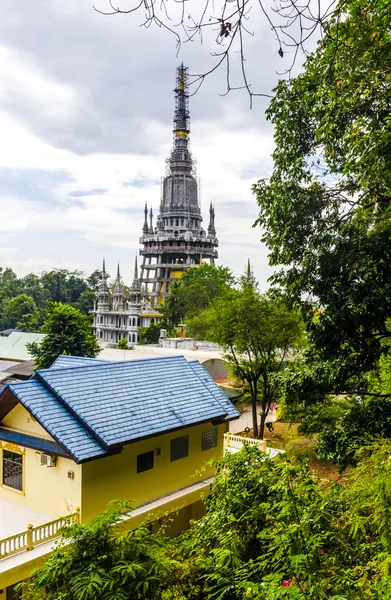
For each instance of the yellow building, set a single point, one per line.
(85, 431)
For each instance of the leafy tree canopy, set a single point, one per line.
(325, 211)
(195, 291)
(271, 531)
(58, 285)
(68, 331)
(123, 344)
(257, 332)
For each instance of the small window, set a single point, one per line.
(145, 461)
(179, 448)
(12, 470)
(209, 438)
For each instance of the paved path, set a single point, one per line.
(246, 420)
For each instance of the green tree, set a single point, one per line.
(150, 334)
(325, 211)
(123, 344)
(20, 313)
(195, 290)
(94, 280)
(32, 286)
(86, 301)
(102, 565)
(271, 531)
(9, 285)
(63, 285)
(68, 331)
(257, 333)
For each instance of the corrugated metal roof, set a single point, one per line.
(7, 364)
(13, 347)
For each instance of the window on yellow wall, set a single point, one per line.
(209, 438)
(13, 470)
(179, 447)
(144, 461)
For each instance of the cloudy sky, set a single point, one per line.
(86, 108)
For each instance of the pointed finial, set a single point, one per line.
(104, 266)
(248, 268)
(145, 226)
(118, 274)
(151, 220)
(135, 267)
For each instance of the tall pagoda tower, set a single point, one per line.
(177, 241)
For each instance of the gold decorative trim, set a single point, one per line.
(12, 447)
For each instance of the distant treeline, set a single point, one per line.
(25, 300)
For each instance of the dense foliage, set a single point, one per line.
(325, 211)
(123, 344)
(257, 333)
(271, 531)
(24, 301)
(195, 291)
(68, 331)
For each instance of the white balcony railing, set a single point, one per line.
(33, 536)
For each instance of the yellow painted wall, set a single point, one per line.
(21, 420)
(116, 477)
(45, 489)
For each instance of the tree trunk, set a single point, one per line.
(254, 398)
(265, 407)
(263, 419)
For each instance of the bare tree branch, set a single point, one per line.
(293, 23)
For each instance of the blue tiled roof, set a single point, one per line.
(57, 420)
(63, 362)
(92, 407)
(31, 441)
(218, 394)
(123, 401)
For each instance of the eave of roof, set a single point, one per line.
(32, 441)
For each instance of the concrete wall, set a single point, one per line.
(216, 367)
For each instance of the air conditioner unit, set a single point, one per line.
(47, 460)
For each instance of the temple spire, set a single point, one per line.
(151, 221)
(181, 113)
(136, 281)
(118, 293)
(103, 290)
(211, 226)
(145, 226)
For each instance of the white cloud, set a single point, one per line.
(69, 111)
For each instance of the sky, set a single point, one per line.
(86, 107)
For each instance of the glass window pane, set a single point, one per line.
(209, 438)
(13, 469)
(145, 461)
(179, 448)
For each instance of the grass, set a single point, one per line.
(286, 437)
